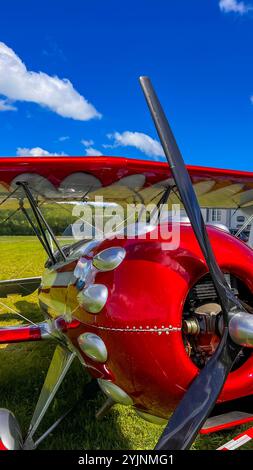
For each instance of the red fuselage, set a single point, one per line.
(141, 322)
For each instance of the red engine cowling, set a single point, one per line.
(141, 321)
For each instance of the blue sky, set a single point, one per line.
(199, 55)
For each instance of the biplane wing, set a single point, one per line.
(122, 180)
(23, 287)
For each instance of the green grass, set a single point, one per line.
(23, 368)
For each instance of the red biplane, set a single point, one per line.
(158, 329)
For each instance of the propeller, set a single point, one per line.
(200, 398)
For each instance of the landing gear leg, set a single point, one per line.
(60, 364)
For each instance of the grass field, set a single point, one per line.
(23, 368)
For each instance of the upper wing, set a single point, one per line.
(121, 180)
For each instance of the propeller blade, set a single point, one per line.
(201, 396)
(188, 196)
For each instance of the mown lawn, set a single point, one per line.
(23, 368)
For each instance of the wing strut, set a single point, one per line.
(42, 224)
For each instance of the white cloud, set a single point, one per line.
(5, 105)
(59, 95)
(87, 143)
(63, 138)
(140, 141)
(235, 6)
(90, 151)
(37, 152)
